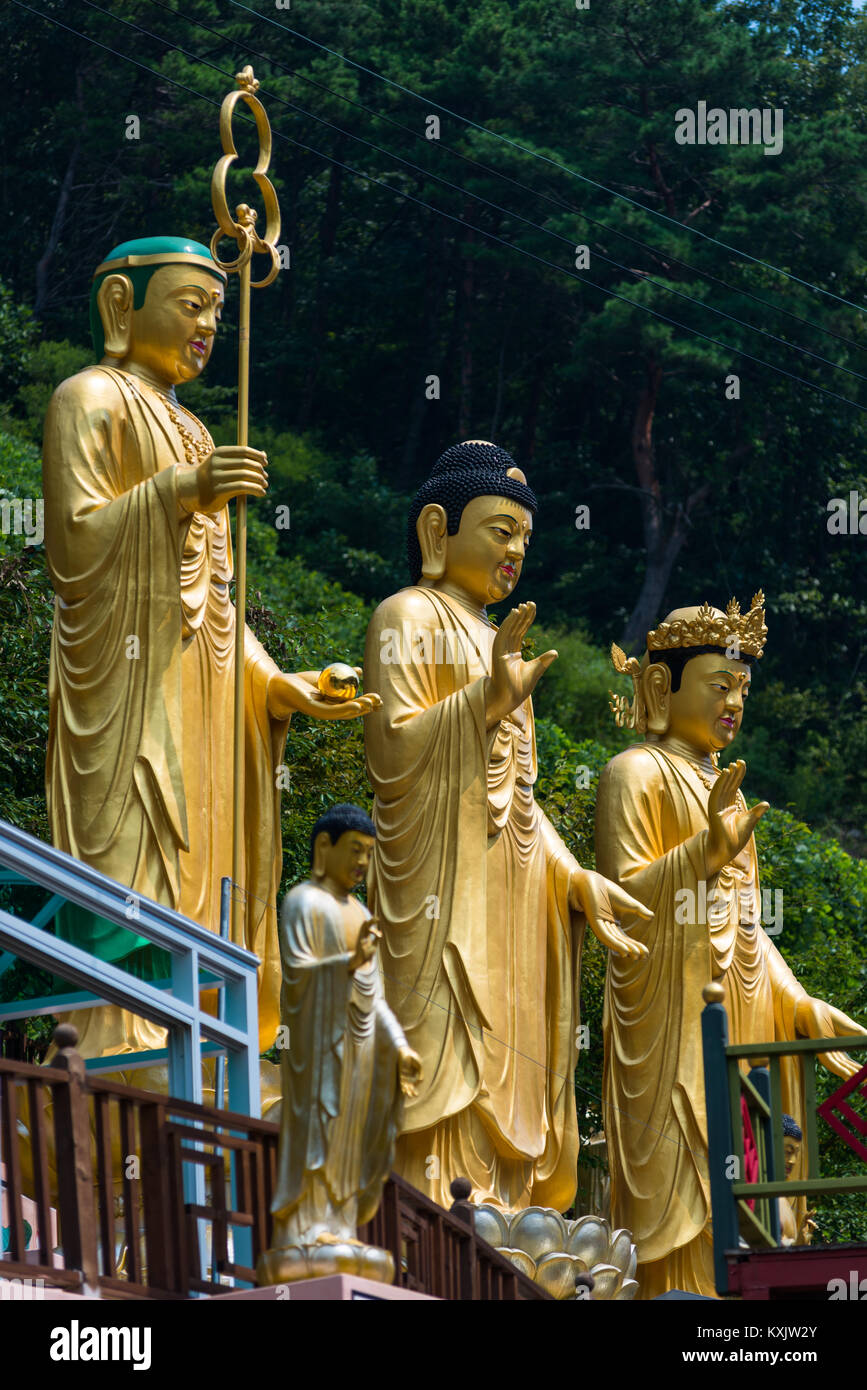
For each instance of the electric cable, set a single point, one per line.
(563, 206)
(534, 154)
(641, 276)
(491, 236)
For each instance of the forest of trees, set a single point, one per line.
(693, 378)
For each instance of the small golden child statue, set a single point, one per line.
(346, 1066)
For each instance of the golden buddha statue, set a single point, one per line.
(482, 905)
(139, 759)
(675, 830)
(346, 1067)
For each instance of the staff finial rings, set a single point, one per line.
(242, 228)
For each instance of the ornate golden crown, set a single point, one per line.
(745, 632)
(733, 631)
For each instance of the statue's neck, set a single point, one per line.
(681, 748)
(451, 590)
(157, 383)
(330, 885)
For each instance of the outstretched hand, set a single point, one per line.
(816, 1019)
(513, 679)
(602, 902)
(728, 828)
(288, 694)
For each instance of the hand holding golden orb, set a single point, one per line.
(304, 693)
(339, 681)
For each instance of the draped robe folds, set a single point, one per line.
(481, 951)
(141, 690)
(342, 1099)
(651, 832)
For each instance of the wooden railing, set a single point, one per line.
(157, 1198)
(437, 1251)
(153, 1197)
(761, 1089)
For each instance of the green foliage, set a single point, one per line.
(49, 363)
(17, 336)
(575, 690)
(21, 477)
(384, 292)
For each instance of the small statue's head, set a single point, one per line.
(341, 844)
(792, 1139)
(156, 303)
(471, 522)
(695, 675)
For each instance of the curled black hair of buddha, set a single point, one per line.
(463, 472)
(791, 1129)
(675, 658)
(337, 820)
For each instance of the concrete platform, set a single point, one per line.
(336, 1288)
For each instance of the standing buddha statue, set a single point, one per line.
(482, 905)
(674, 829)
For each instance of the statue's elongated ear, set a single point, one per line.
(114, 299)
(321, 846)
(656, 687)
(431, 529)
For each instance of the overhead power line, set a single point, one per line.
(555, 163)
(641, 276)
(555, 201)
(491, 236)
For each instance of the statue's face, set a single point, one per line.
(707, 710)
(347, 861)
(173, 332)
(486, 556)
(791, 1150)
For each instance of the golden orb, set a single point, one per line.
(338, 682)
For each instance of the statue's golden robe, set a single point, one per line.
(139, 762)
(481, 950)
(342, 1099)
(651, 828)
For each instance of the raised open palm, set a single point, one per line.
(728, 827)
(512, 678)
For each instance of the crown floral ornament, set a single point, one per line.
(744, 632)
(732, 631)
(625, 711)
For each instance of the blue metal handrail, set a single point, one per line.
(197, 956)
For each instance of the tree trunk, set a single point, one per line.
(327, 239)
(44, 263)
(465, 412)
(661, 549)
(527, 445)
(427, 363)
(662, 545)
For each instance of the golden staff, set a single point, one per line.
(242, 230)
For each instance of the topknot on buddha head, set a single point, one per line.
(460, 474)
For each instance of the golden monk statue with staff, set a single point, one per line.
(149, 668)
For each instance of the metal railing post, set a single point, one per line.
(714, 1036)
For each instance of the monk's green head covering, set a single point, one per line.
(138, 260)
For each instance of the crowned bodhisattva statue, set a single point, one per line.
(481, 903)
(346, 1066)
(675, 830)
(139, 773)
